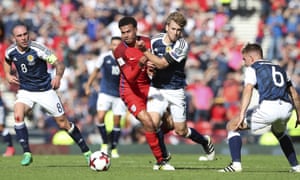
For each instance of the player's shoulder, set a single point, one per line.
(37, 46)
(158, 36)
(119, 50)
(11, 48)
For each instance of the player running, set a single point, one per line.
(36, 86)
(168, 56)
(134, 84)
(108, 97)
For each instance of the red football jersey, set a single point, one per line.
(134, 80)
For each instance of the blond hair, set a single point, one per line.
(178, 18)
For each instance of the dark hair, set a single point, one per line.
(127, 20)
(115, 38)
(19, 23)
(250, 47)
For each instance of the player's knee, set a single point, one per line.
(62, 122)
(18, 119)
(278, 134)
(181, 132)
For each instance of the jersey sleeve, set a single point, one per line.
(100, 60)
(130, 72)
(250, 76)
(178, 52)
(44, 53)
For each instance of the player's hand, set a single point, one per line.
(141, 45)
(142, 61)
(151, 69)
(55, 82)
(12, 79)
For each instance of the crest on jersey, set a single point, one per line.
(168, 49)
(133, 108)
(30, 60)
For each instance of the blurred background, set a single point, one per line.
(78, 31)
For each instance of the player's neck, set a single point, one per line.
(22, 49)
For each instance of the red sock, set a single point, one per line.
(152, 140)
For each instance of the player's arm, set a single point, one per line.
(249, 83)
(296, 101)
(246, 98)
(176, 55)
(47, 55)
(90, 81)
(129, 72)
(59, 68)
(7, 69)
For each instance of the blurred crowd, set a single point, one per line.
(78, 31)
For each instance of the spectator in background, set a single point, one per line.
(275, 25)
(202, 98)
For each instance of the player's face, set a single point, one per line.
(114, 44)
(128, 34)
(21, 37)
(174, 31)
(248, 59)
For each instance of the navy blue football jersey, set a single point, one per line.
(269, 79)
(109, 83)
(31, 66)
(172, 77)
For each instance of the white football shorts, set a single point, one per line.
(274, 113)
(106, 102)
(49, 100)
(160, 99)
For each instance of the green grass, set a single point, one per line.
(139, 167)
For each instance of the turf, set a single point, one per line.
(139, 167)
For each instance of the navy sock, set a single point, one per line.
(197, 137)
(22, 136)
(288, 150)
(161, 141)
(235, 145)
(77, 137)
(7, 139)
(115, 136)
(103, 133)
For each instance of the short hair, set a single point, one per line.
(127, 20)
(19, 23)
(115, 38)
(253, 47)
(178, 18)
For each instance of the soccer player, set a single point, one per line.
(169, 54)
(135, 83)
(36, 86)
(108, 97)
(10, 150)
(274, 109)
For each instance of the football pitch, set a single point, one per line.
(139, 167)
